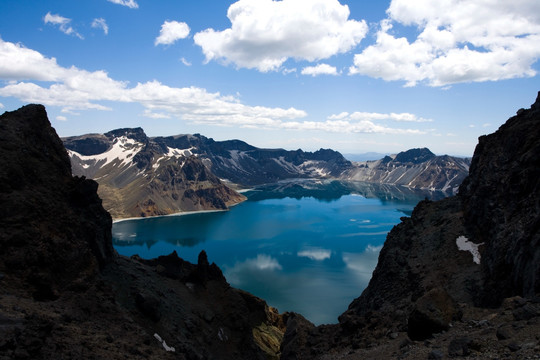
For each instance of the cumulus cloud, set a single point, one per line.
(346, 126)
(132, 4)
(61, 118)
(101, 24)
(367, 116)
(320, 69)
(458, 41)
(63, 24)
(31, 77)
(77, 89)
(265, 33)
(172, 31)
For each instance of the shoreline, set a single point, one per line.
(182, 213)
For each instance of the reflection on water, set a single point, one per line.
(332, 190)
(306, 246)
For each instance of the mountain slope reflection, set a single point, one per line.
(332, 190)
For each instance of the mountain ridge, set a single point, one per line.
(127, 164)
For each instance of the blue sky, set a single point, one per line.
(355, 76)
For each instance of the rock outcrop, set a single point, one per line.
(66, 294)
(40, 203)
(456, 276)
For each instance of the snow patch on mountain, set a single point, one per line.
(174, 153)
(123, 149)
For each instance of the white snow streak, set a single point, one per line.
(165, 346)
(464, 244)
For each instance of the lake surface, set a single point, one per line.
(303, 246)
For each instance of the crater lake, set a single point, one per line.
(304, 246)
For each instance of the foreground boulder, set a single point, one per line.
(66, 294)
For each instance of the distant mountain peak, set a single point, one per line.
(136, 134)
(415, 156)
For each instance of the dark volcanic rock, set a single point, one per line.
(40, 204)
(91, 144)
(501, 200)
(432, 313)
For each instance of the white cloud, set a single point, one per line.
(172, 31)
(154, 115)
(265, 33)
(345, 126)
(288, 71)
(185, 62)
(458, 41)
(63, 24)
(35, 78)
(367, 116)
(20, 63)
(61, 118)
(101, 24)
(132, 4)
(76, 89)
(1, 106)
(320, 69)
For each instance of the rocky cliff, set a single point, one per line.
(66, 294)
(461, 276)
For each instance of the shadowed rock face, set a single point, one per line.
(66, 294)
(501, 201)
(40, 204)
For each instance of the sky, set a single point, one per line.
(355, 76)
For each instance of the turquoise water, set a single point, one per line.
(308, 247)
